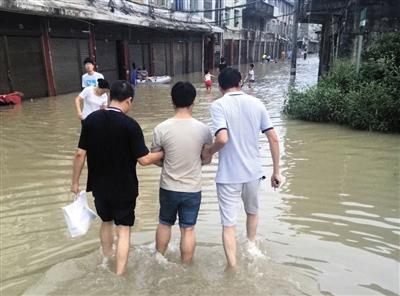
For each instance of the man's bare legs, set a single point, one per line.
(188, 244)
(251, 226)
(163, 236)
(124, 235)
(107, 238)
(229, 241)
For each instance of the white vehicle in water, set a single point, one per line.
(155, 79)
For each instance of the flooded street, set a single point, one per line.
(333, 228)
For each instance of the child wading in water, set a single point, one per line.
(208, 80)
(251, 77)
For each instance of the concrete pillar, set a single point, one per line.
(48, 63)
(125, 44)
(240, 51)
(247, 51)
(202, 53)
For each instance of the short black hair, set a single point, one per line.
(102, 83)
(133, 65)
(252, 65)
(183, 94)
(121, 90)
(229, 78)
(206, 71)
(88, 60)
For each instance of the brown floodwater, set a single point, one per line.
(333, 228)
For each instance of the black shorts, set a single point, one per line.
(122, 213)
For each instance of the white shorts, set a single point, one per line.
(229, 196)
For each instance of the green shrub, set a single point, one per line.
(369, 100)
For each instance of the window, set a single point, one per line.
(208, 6)
(236, 17)
(194, 5)
(227, 18)
(178, 5)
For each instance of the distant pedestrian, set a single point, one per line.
(264, 58)
(251, 77)
(134, 75)
(91, 77)
(208, 80)
(93, 98)
(222, 64)
(283, 55)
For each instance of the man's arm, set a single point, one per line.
(151, 158)
(274, 147)
(220, 141)
(79, 162)
(78, 107)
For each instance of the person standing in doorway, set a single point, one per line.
(134, 75)
(91, 77)
(182, 139)
(238, 120)
(93, 98)
(113, 143)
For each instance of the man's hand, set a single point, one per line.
(206, 156)
(275, 181)
(80, 116)
(75, 188)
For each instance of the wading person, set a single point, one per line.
(238, 120)
(113, 144)
(93, 98)
(182, 139)
(208, 80)
(91, 77)
(251, 76)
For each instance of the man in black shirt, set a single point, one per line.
(113, 144)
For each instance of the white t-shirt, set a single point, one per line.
(91, 80)
(252, 76)
(244, 117)
(207, 77)
(92, 102)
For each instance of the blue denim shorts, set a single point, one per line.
(186, 205)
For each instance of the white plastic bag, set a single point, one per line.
(78, 215)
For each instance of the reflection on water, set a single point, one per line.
(333, 227)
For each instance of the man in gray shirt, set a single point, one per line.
(182, 139)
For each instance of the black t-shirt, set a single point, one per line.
(113, 142)
(222, 66)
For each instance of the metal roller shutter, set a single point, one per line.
(4, 83)
(106, 58)
(178, 58)
(197, 57)
(65, 57)
(26, 61)
(159, 54)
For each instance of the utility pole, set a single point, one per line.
(294, 41)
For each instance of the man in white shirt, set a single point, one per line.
(238, 120)
(91, 76)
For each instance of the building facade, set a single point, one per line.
(43, 45)
(256, 27)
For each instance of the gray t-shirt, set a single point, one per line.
(245, 117)
(182, 141)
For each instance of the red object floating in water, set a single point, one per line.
(11, 99)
